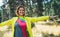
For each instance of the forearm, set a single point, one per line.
(42, 18)
(8, 22)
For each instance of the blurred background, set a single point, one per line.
(34, 8)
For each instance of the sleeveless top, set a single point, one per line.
(20, 28)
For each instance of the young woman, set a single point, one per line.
(21, 24)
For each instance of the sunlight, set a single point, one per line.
(1, 2)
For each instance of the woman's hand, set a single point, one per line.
(53, 17)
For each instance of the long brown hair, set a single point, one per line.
(21, 6)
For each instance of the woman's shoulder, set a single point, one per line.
(17, 17)
(14, 17)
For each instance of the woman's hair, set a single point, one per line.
(21, 6)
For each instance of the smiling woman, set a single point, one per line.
(21, 25)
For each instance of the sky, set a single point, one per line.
(46, 1)
(1, 2)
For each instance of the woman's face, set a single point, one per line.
(21, 11)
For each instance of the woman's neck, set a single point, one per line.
(21, 16)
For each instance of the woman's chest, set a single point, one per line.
(21, 24)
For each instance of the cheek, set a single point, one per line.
(21, 12)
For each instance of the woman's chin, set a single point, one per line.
(22, 15)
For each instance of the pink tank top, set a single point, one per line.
(22, 25)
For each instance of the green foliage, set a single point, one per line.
(33, 7)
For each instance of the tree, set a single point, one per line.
(56, 7)
(40, 7)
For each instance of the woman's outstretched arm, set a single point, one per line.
(35, 19)
(8, 22)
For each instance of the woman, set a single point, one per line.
(21, 24)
